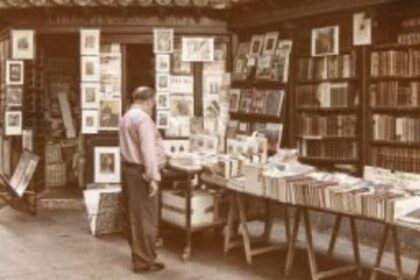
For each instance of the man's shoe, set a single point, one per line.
(157, 267)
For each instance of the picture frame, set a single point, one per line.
(109, 114)
(270, 42)
(23, 173)
(198, 49)
(257, 44)
(181, 84)
(163, 63)
(163, 40)
(89, 93)
(13, 123)
(362, 29)
(162, 82)
(23, 44)
(14, 96)
(234, 97)
(90, 40)
(162, 119)
(181, 105)
(162, 100)
(90, 68)
(90, 121)
(325, 41)
(107, 165)
(14, 72)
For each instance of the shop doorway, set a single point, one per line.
(140, 69)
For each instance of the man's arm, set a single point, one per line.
(147, 137)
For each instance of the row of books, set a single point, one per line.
(332, 125)
(326, 95)
(256, 101)
(325, 68)
(341, 149)
(395, 94)
(409, 38)
(391, 128)
(395, 63)
(396, 158)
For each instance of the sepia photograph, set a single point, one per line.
(197, 49)
(90, 95)
(90, 41)
(14, 95)
(13, 123)
(109, 114)
(162, 100)
(257, 44)
(182, 84)
(162, 119)
(23, 44)
(162, 82)
(325, 41)
(181, 105)
(107, 165)
(24, 172)
(270, 43)
(163, 40)
(90, 121)
(90, 68)
(14, 72)
(163, 63)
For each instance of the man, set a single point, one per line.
(142, 154)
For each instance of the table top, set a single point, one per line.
(185, 165)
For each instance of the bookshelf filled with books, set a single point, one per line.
(260, 82)
(326, 101)
(394, 98)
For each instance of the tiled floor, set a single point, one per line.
(57, 245)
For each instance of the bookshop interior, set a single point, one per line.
(298, 115)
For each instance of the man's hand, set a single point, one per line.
(153, 188)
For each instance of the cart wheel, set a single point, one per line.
(186, 255)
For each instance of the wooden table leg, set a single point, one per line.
(187, 250)
(397, 252)
(381, 249)
(230, 223)
(309, 245)
(417, 277)
(334, 234)
(292, 242)
(355, 241)
(245, 233)
(286, 223)
(268, 222)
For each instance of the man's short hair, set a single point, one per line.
(143, 94)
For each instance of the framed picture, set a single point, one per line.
(257, 43)
(90, 68)
(182, 83)
(270, 42)
(163, 63)
(90, 95)
(178, 66)
(23, 173)
(13, 123)
(198, 49)
(182, 105)
(162, 82)
(89, 41)
(234, 97)
(14, 95)
(23, 46)
(90, 121)
(362, 29)
(325, 41)
(162, 100)
(14, 72)
(109, 114)
(213, 84)
(162, 119)
(107, 165)
(163, 40)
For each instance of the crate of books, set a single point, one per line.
(104, 209)
(56, 174)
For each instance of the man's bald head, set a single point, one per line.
(142, 94)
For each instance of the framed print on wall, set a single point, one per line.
(163, 40)
(23, 45)
(162, 82)
(14, 95)
(90, 41)
(325, 41)
(14, 72)
(90, 121)
(197, 49)
(163, 63)
(162, 119)
(107, 165)
(109, 114)
(13, 123)
(90, 95)
(162, 101)
(270, 42)
(90, 68)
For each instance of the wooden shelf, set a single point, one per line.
(394, 78)
(258, 83)
(326, 137)
(395, 110)
(329, 109)
(396, 46)
(328, 160)
(260, 117)
(396, 144)
(334, 80)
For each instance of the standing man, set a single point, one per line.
(142, 154)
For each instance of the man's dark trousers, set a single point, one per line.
(140, 214)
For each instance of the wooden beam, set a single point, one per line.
(312, 8)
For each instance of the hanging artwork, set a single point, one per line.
(13, 123)
(362, 29)
(107, 165)
(89, 41)
(109, 114)
(163, 40)
(162, 100)
(163, 62)
(90, 121)
(270, 42)
(197, 49)
(182, 84)
(90, 95)
(325, 41)
(90, 68)
(23, 172)
(182, 105)
(23, 46)
(257, 43)
(162, 119)
(14, 95)
(14, 72)
(162, 81)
